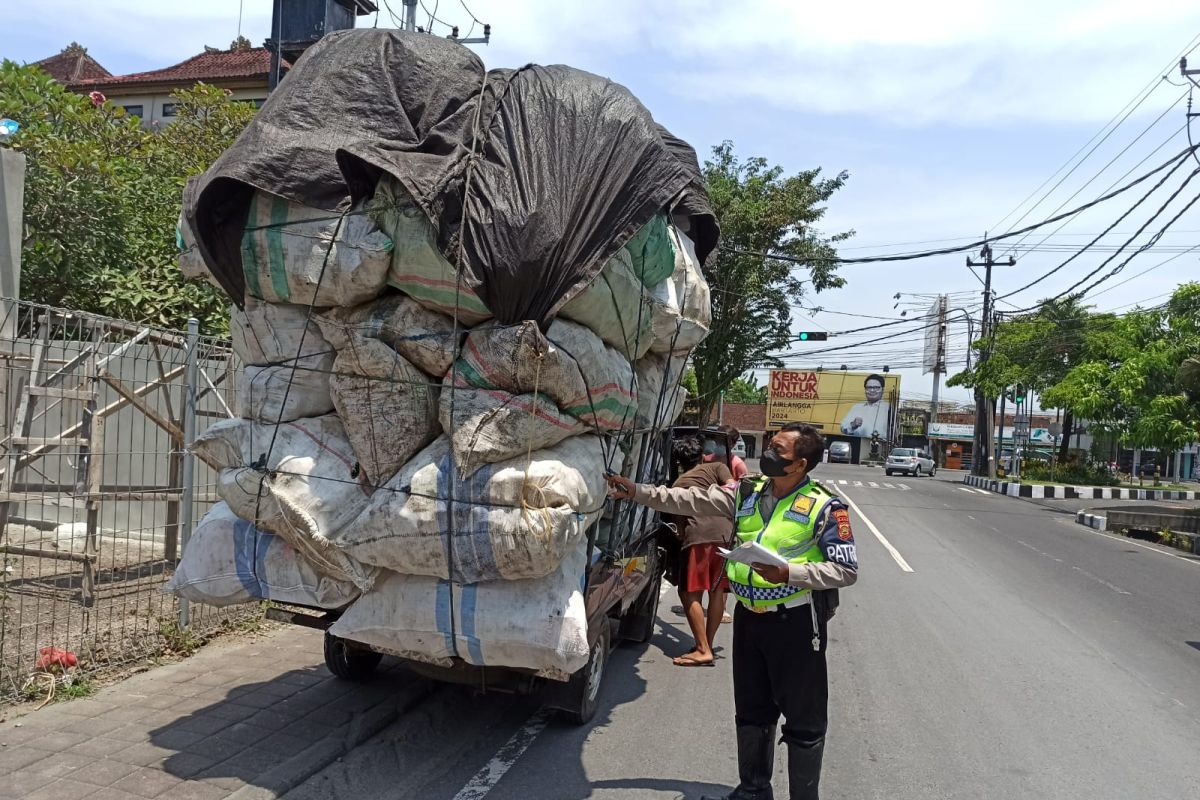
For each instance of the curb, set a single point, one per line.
(1062, 492)
(308, 762)
(1092, 520)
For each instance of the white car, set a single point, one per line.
(739, 448)
(910, 461)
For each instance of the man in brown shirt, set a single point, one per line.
(702, 568)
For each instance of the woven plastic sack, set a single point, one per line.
(229, 561)
(424, 337)
(287, 392)
(300, 480)
(508, 521)
(266, 334)
(307, 256)
(539, 625)
(681, 303)
(660, 393)
(488, 426)
(617, 307)
(389, 407)
(418, 267)
(191, 263)
(569, 364)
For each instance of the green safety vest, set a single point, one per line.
(791, 532)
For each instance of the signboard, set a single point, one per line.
(1055, 429)
(935, 349)
(966, 433)
(914, 422)
(839, 403)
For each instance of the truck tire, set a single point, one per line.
(638, 623)
(583, 690)
(349, 661)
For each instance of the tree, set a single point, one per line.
(746, 390)
(103, 195)
(1036, 351)
(760, 211)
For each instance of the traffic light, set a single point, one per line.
(1019, 395)
(812, 336)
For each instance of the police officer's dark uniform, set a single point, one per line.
(779, 634)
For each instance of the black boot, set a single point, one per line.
(756, 763)
(804, 769)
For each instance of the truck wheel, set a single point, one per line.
(583, 690)
(349, 661)
(638, 623)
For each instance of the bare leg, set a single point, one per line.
(702, 654)
(716, 610)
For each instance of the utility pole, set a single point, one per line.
(410, 15)
(985, 409)
(939, 364)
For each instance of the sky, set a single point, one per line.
(952, 118)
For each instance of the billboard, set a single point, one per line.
(934, 357)
(839, 403)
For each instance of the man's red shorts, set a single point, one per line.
(703, 568)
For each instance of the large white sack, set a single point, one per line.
(300, 480)
(568, 363)
(418, 267)
(660, 391)
(489, 426)
(191, 263)
(681, 303)
(287, 392)
(538, 624)
(266, 334)
(308, 256)
(510, 521)
(228, 561)
(616, 307)
(426, 338)
(389, 407)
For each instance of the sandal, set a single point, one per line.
(688, 661)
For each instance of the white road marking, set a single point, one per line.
(882, 539)
(486, 779)
(904, 487)
(843, 483)
(888, 485)
(1080, 570)
(1126, 540)
(965, 489)
(971, 518)
(874, 485)
(858, 483)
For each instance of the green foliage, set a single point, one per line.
(1073, 474)
(103, 196)
(760, 210)
(746, 390)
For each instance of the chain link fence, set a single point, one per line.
(97, 492)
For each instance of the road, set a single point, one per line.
(1023, 656)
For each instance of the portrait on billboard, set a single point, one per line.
(841, 403)
(871, 416)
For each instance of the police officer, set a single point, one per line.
(779, 633)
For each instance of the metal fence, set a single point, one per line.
(97, 493)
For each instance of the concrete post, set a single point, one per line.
(12, 223)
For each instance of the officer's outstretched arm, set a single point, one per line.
(709, 501)
(836, 540)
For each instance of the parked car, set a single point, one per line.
(839, 452)
(910, 461)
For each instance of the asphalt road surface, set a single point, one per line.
(991, 649)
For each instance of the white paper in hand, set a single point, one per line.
(752, 553)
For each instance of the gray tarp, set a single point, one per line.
(570, 165)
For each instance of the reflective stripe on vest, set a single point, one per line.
(791, 532)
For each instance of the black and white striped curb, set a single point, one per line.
(1057, 491)
(1092, 520)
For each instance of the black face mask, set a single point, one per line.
(774, 465)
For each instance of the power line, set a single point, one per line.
(1117, 222)
(1138, 99)
(973, 245)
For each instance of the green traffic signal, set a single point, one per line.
(812, 336)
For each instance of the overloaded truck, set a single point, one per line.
(460, 297)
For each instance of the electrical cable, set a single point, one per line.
(1104, 233)
(979, 243)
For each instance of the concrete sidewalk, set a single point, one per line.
(247, 719)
